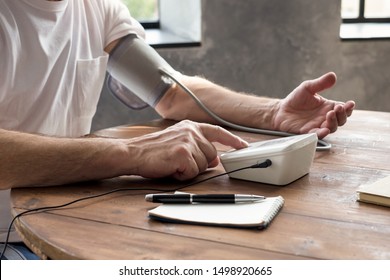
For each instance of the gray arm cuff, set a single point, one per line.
(137, 66)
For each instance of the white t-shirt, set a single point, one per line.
(53, 64)
(53, 61)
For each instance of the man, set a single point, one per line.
(53, 61)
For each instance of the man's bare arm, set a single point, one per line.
(181, 151)
(303, 110)
(235, 107)
(28, 160)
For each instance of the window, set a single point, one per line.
(168, 23)
(365, 19)
(145, 11)
(365, 10)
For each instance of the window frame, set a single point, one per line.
(362, 19)
(363, 28)
(150, 24)
(177, 25)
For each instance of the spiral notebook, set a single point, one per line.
(253, 214)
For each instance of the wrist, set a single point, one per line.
(266, 111)
(130, 157)
(120, 158)
(273, 111)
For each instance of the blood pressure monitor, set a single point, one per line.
(291, 159)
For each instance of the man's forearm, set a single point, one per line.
(34, 160)
(239, 108)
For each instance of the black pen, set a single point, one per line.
(202, 198)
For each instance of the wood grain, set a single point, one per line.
(321, 218)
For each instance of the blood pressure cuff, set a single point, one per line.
(134, 73)
(124, 94)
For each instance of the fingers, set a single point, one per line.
(215, 133)
(196, 152)
(331, 121)
(335, 118)
(187, 168)
(324, 82)
(214, 163)
(321, 132)
(339, 115)
(192, 166)
(349, 107)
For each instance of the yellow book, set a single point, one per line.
(377, 193)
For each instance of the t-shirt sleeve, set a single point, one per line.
(119, 22)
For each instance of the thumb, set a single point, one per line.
(214, 162)
(324, 82)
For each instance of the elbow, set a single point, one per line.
(5, 184)
(9, 179)
(167, 107)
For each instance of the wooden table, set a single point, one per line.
(321, 218)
